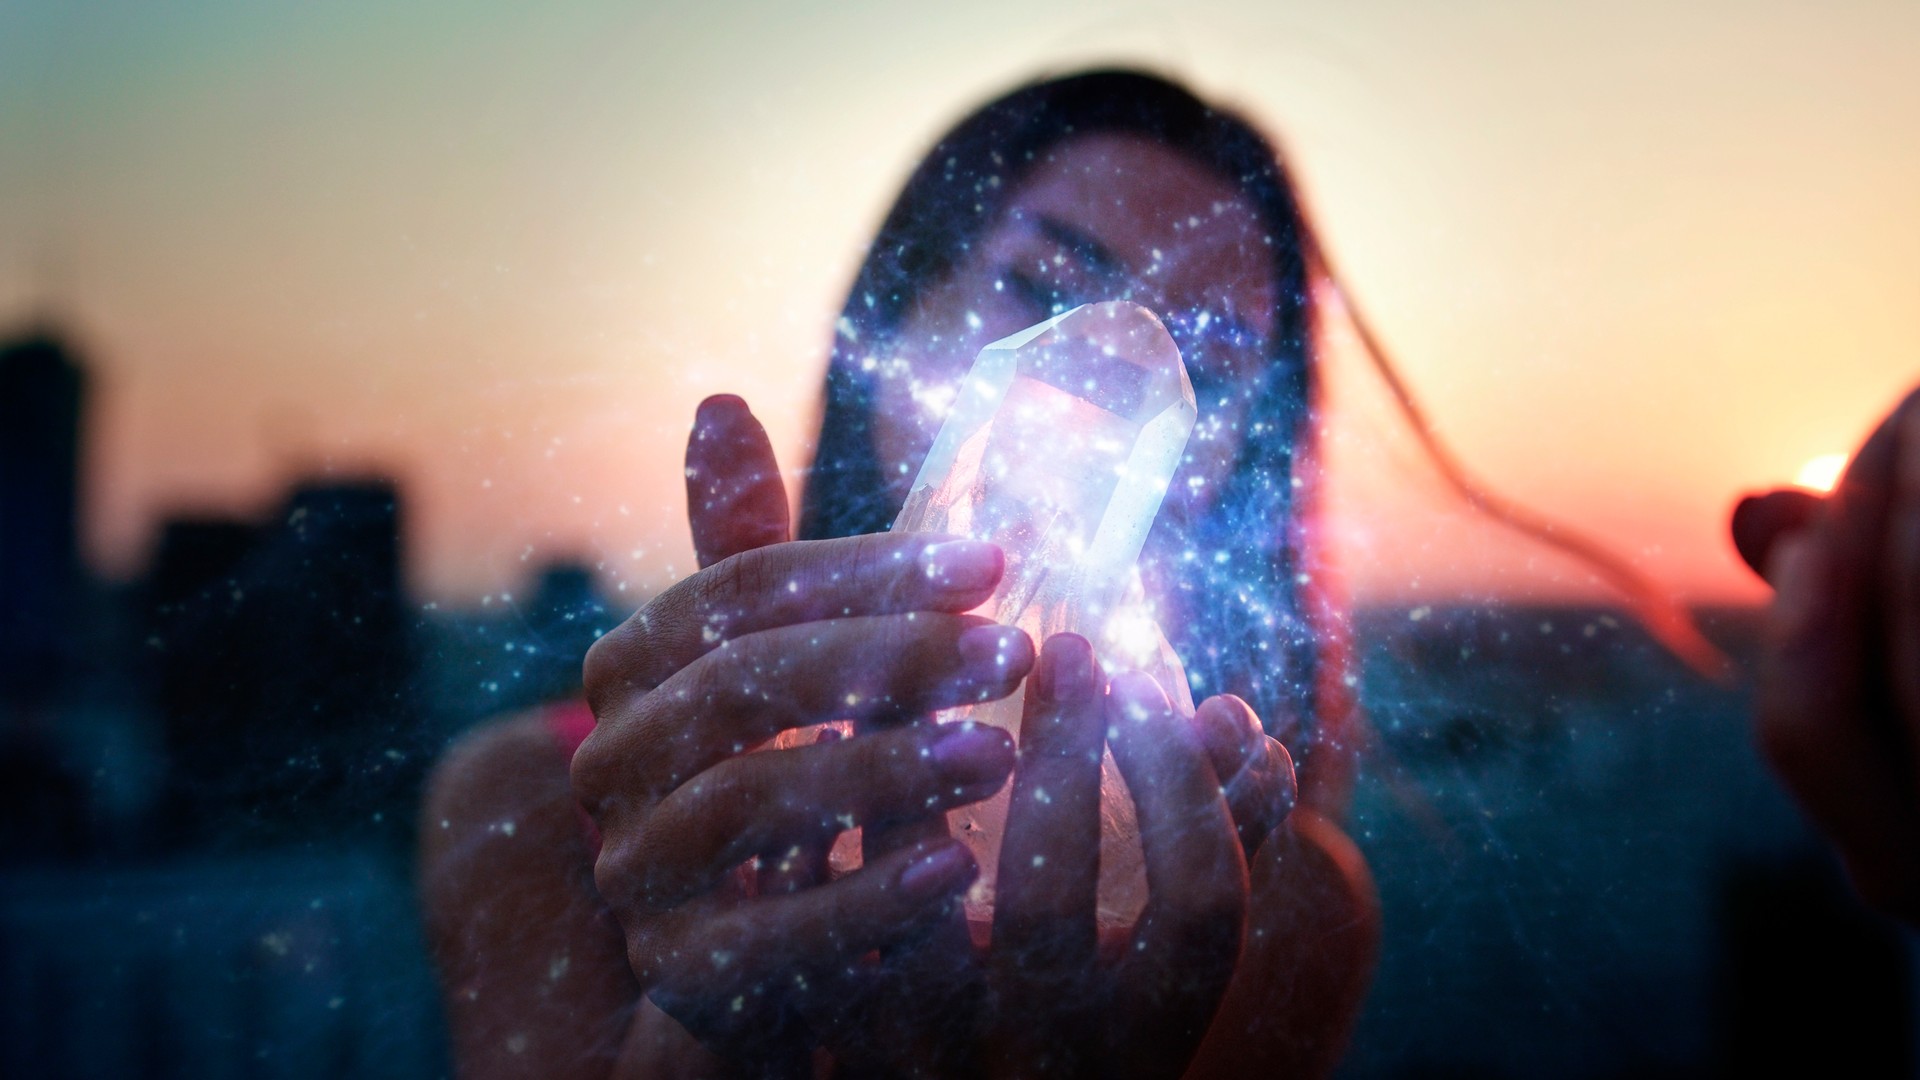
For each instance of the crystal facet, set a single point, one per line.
(1059, 447)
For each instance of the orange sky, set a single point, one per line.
(1634, 257)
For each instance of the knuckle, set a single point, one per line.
(647, 954)
(626, 657)
(714, 799)
(659, 747)
(600, 672)
(589, 774)
(625, 759)
(635, 873)
(699, 687)
(877, 557)
(650, 872)
(732, 582)
(614, 878)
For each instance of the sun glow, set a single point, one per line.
(1821, 473)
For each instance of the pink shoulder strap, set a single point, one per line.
(569, 723)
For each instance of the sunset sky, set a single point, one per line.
(1634, 257)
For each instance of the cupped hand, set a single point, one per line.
(1044, 995)
(772, 636)
(1838, 691)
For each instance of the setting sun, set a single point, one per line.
(1821, 473)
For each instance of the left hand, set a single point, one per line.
(1157, 1001)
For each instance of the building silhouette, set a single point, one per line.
(283, 658)
(42, 394)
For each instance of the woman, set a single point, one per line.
(660, 953)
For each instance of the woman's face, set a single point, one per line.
(1105, 217)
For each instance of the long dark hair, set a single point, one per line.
(1250, 627)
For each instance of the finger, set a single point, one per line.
(707, 961)
(785, 585)
(1262, 796)
(897, 1013)
(1189, 934)
(1043, 919)
(1255, 769)
(769, 802)
(948, 944)
(1230, 732)
(903, 830)
(1760, 521)
(925, 984)
(736, 500)
(804, 864)
(754, 687)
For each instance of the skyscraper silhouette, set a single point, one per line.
(285, 654)
(42, 391)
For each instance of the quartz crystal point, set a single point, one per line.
(1059, 447)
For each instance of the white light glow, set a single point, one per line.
(1821, 473)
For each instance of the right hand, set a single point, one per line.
(771, 636)
(1041, 998)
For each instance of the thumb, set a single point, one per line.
(1759, 521)
(735, 499)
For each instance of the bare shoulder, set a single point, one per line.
(499, 802)
(532, 965)
(508, 763)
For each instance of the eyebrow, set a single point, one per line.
(1099, 258)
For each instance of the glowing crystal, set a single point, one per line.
(1059, 447)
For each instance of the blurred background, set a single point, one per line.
(349, 352)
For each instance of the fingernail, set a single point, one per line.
(1223, 731)
(942, 871)
(971, 753)
(714, 408)
(962, 566)
(1138, 696)
(989, 652)
(1072, 664)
